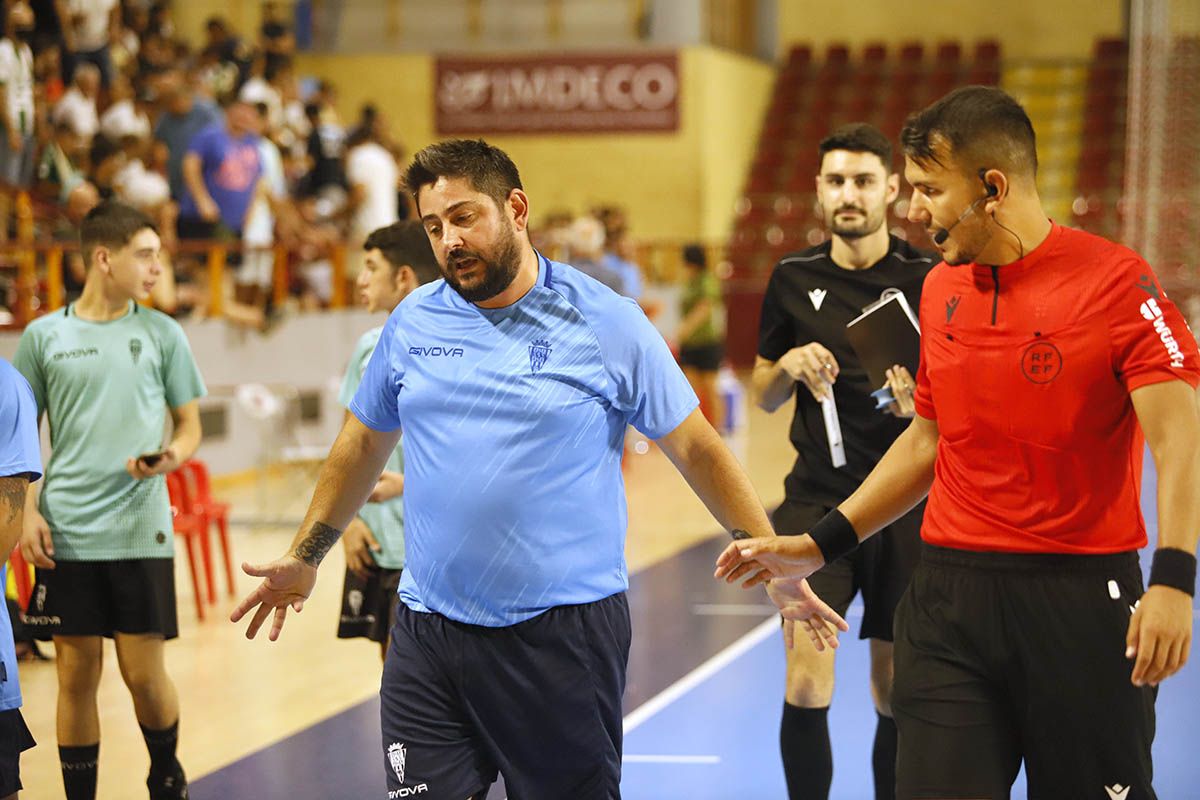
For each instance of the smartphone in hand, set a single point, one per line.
(151, 459)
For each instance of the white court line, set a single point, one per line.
(672, 759)
(734, 609)
(700, 674)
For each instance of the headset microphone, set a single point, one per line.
(943, 234)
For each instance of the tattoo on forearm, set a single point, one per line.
(12, 495)
(314, 546)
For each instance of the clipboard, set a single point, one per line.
(886, 334)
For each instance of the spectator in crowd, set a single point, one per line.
(374, 179)
(701, 333)
(326, 143)
(586, 245)
(16, 105)
(222, 169)
(123, 117)
(88, 28)
(60, 168)
(183, 116)
(78, 104)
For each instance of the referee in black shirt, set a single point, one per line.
(803, 350)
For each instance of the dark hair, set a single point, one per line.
(405, 244)
(858, 137)
(102, 149)
(489, 169)
(980, 127)
(694, 254)
(112, 225)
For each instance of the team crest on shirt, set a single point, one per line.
(135, 349)
(539, 352)
(396, 760)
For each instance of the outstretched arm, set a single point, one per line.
(899, 481)
(719, 481)
(346, 479)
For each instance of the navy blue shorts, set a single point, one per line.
(538, 702)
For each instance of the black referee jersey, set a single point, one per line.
(810, 299)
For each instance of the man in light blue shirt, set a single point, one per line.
(514, 379)
(20, 463)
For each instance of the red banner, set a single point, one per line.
(558, 94)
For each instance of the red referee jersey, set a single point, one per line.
(1027, 369)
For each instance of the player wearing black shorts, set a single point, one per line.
(803, 351)
(104, 371)
(397, 259)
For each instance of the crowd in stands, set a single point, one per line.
(218, 141)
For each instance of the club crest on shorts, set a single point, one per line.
(396, 759)
(354, 598)
(539, 351)
(135, 349)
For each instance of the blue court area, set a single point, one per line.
(702, 709)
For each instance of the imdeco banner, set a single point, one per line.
(599, 93)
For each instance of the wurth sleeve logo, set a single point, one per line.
(1154, 314)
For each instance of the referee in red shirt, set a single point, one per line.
(1049, 357)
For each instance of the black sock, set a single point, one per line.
(161, 744)
(79, 770)
(883, 758)
(807, 759)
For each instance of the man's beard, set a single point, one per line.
(856, 230)
(499, 271)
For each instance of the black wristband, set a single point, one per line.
(834, 535)
(1175, 568)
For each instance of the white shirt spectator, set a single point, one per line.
(89, 21)
(16, 74)
(260, 222)
(123, 119)
(256, 90)
(79, 112)
(141, 188)
(372, 167)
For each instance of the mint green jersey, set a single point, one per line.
(105, 388)
(385, 520)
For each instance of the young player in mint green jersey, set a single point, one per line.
(104, 371)
(397, 260)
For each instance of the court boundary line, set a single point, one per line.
(706, 670)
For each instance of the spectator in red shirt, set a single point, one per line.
(1049, 357)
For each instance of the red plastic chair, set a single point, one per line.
(211, 511)
(191, 528)
(20, 573)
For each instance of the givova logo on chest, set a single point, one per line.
(436, 351)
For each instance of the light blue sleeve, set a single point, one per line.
(20, 450)
(375, 401)
(647, 385)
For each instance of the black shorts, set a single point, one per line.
(538, 702)
(100, 598)
(1002, 657)
(706, 358)
(369, 604)
(880, 568)
(15, 739)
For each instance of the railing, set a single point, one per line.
(41, 286)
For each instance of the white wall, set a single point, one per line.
(307, 352)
